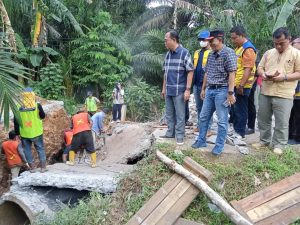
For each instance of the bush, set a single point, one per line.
(51, 84)
(143, 100)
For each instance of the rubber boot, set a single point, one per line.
(43, 167)
(32, 168)
(94, 160)
(71, 161)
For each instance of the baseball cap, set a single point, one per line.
(215, 34)
(203, 34)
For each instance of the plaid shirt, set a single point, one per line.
(176, 66)
(219, 65)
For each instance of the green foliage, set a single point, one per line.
(70, 105)
(51, 84)
(96, 57)
(10, 88)
(143, 100)
(90, 211)
(36, 56)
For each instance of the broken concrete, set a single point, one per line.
(103, 179)
(129, 142)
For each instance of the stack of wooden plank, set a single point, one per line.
(170, 201)
(278, 204)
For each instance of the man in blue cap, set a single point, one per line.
(200, 60)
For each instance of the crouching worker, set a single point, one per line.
(82, 136)
(68, 136)
(14, 154)
(98, 124)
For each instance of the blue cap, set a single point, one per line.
(204, 34)
(28, 89)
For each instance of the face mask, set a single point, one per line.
(203, 44)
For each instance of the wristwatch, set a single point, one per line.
(230, 92)
(188, 89)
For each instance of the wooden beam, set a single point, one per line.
(155, 200)
(275, 205)
(197, 169)
(182, 221)
(215, 197)
(286, 216)
(270, 192)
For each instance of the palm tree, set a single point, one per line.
(10, 88)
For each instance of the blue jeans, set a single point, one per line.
(199, 104)
(175, 115)
(240, 112)
(39, 146)
(214, 99)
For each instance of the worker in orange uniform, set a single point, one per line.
(14, 154)
(68, 136)
(82, 136)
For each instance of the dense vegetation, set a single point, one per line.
(72, 46)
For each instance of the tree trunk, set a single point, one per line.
(175, 15)
(214, 196)
(8, 28)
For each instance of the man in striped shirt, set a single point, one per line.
(178, 75)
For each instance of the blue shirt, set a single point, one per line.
(176, 66)
(198, 73)
(97, 119)
(219, 65)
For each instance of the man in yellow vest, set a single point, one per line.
(200, 60)
(30, 128)
(91, 103)
(82, 137)
(244, 78)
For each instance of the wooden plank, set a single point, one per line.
(197, 169)
(284, 217)
(167, 203)
(236, 205)
(275, 206)
(270, 192)
(182, 221)
(180, 206)
(155, 200)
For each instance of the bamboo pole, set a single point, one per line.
(214, 196)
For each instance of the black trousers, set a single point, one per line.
(251, 108)
(117, 112)
(294, 124)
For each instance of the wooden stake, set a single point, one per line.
(214, 196)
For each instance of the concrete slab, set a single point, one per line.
(104, 178)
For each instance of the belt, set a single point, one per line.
(216, 86)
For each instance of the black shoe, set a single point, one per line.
(165, 136)
(249, 131)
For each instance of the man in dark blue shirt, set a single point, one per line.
(200, 60)
(178, 75)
